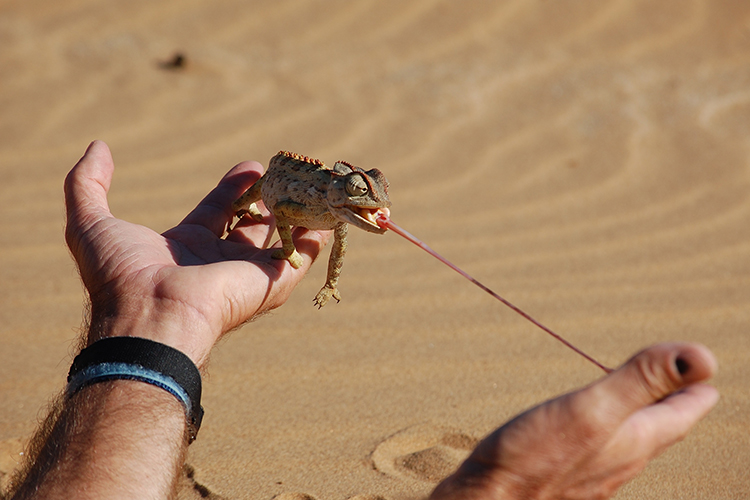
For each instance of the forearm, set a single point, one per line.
(116, 439)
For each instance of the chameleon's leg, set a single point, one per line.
(246, 204)
(282, 211)
(287, 251)
(335, 262)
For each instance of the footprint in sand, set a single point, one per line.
(294, 496)
(425, 452)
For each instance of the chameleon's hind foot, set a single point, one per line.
(325, 294)
(295, 259)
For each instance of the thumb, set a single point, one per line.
(652, 375)
(86, 187)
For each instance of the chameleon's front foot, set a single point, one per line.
(325, 294)
(295, 259)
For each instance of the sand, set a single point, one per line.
(588, 160)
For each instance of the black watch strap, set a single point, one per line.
(135, 358)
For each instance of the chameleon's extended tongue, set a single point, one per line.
(385, 222)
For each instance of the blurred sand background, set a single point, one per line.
(589, 160)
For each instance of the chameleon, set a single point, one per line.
(302, 191)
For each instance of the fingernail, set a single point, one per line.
(682, 366)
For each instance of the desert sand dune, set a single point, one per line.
(587, 160)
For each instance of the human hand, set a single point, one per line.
(187, 286)
(588, 443)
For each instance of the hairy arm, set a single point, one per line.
(118, 439)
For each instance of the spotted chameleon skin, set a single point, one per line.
(302, 191)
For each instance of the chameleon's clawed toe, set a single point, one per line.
(325, 294)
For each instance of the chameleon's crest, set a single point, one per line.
(306, 159)
(347, 164)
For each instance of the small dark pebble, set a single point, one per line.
(177, 62)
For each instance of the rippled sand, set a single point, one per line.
(588, 160)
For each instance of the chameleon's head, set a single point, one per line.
(357, 196)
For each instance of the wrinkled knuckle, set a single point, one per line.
(651, 379)
(655, 377)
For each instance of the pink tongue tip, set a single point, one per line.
(383, 220)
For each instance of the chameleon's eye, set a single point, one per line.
(356, 186)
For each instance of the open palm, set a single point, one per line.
(189, 281)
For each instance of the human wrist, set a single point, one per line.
(188, 333)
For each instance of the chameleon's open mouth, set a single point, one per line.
(369, 215)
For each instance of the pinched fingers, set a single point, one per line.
(647, 378)
(664, 419)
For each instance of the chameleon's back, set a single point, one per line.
(296, 179)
